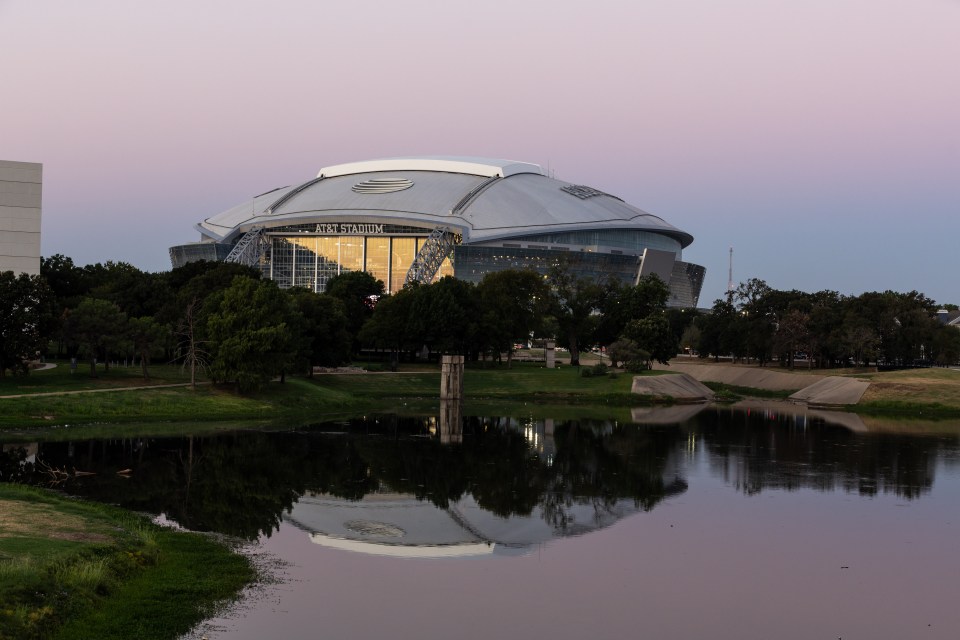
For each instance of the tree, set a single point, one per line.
(326, 341)
(145, 334)
(98, 328)
(690, 338)
(254, 328)
(196, 282)
(25, 313)
(793, 334)
(860, 340)
(653, 335)
(444, 316)
(194, 355)
(358, 291)
(135, 292)
(945, 347)
(716, 330)
(915, 333)
(825, 339)
(512, 305)
(749, 295)
(388, 326)
(573, 303)
(755, 325)
(682, 320)
(63, 277)
(621, 303)
(903, 322)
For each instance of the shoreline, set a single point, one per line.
(50, 400)
(126, 576)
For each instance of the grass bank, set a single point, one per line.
(56, 397)
(929, 393)
(71, 569)
(934, 393)
(61, 378)
(296, 400)
(524, 382)
(732, 393)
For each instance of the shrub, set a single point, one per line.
(599, 369)
(630, 354)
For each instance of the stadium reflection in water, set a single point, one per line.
(767, 524)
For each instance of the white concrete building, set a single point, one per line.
(21, 184)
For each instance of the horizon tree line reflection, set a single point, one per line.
(242, 483)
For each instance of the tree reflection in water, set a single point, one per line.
(759, 451)
(242, 483)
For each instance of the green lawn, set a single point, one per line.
(298, 399)
(522, 382)
(72, 569)
(930, 392)
(60, 378)
(415, 387)
(206, 403)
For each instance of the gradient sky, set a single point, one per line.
(819, 138)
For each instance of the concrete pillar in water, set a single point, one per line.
(451, 378)
(549, 353)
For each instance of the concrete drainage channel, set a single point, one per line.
(682, 387)
(815, 390)
(832, 391)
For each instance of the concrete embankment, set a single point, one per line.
(813, 389)
(681, 387)
(742, 376)
(832, 390)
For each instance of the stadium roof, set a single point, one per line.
(486, 167)
(482, 199)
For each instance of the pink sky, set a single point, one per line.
(820, 138)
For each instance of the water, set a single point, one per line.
(722, 525)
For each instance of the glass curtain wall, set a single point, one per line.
(310, 261)
(402, 253)
(328, 260)
(378, 259)
(304, 266)
(351, 253)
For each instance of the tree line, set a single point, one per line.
(757, 323)
(242, 329)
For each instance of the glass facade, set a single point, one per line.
(473, 262)
(212, 251)
(686, 280)
(378, 258)
(402, 252)
(310, 261)
(304, 262)
(351, 253)
(605, 240)
(309, 255)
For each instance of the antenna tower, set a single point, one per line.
(730, 273)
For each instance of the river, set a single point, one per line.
(683, 523)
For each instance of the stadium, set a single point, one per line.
(416, 219)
